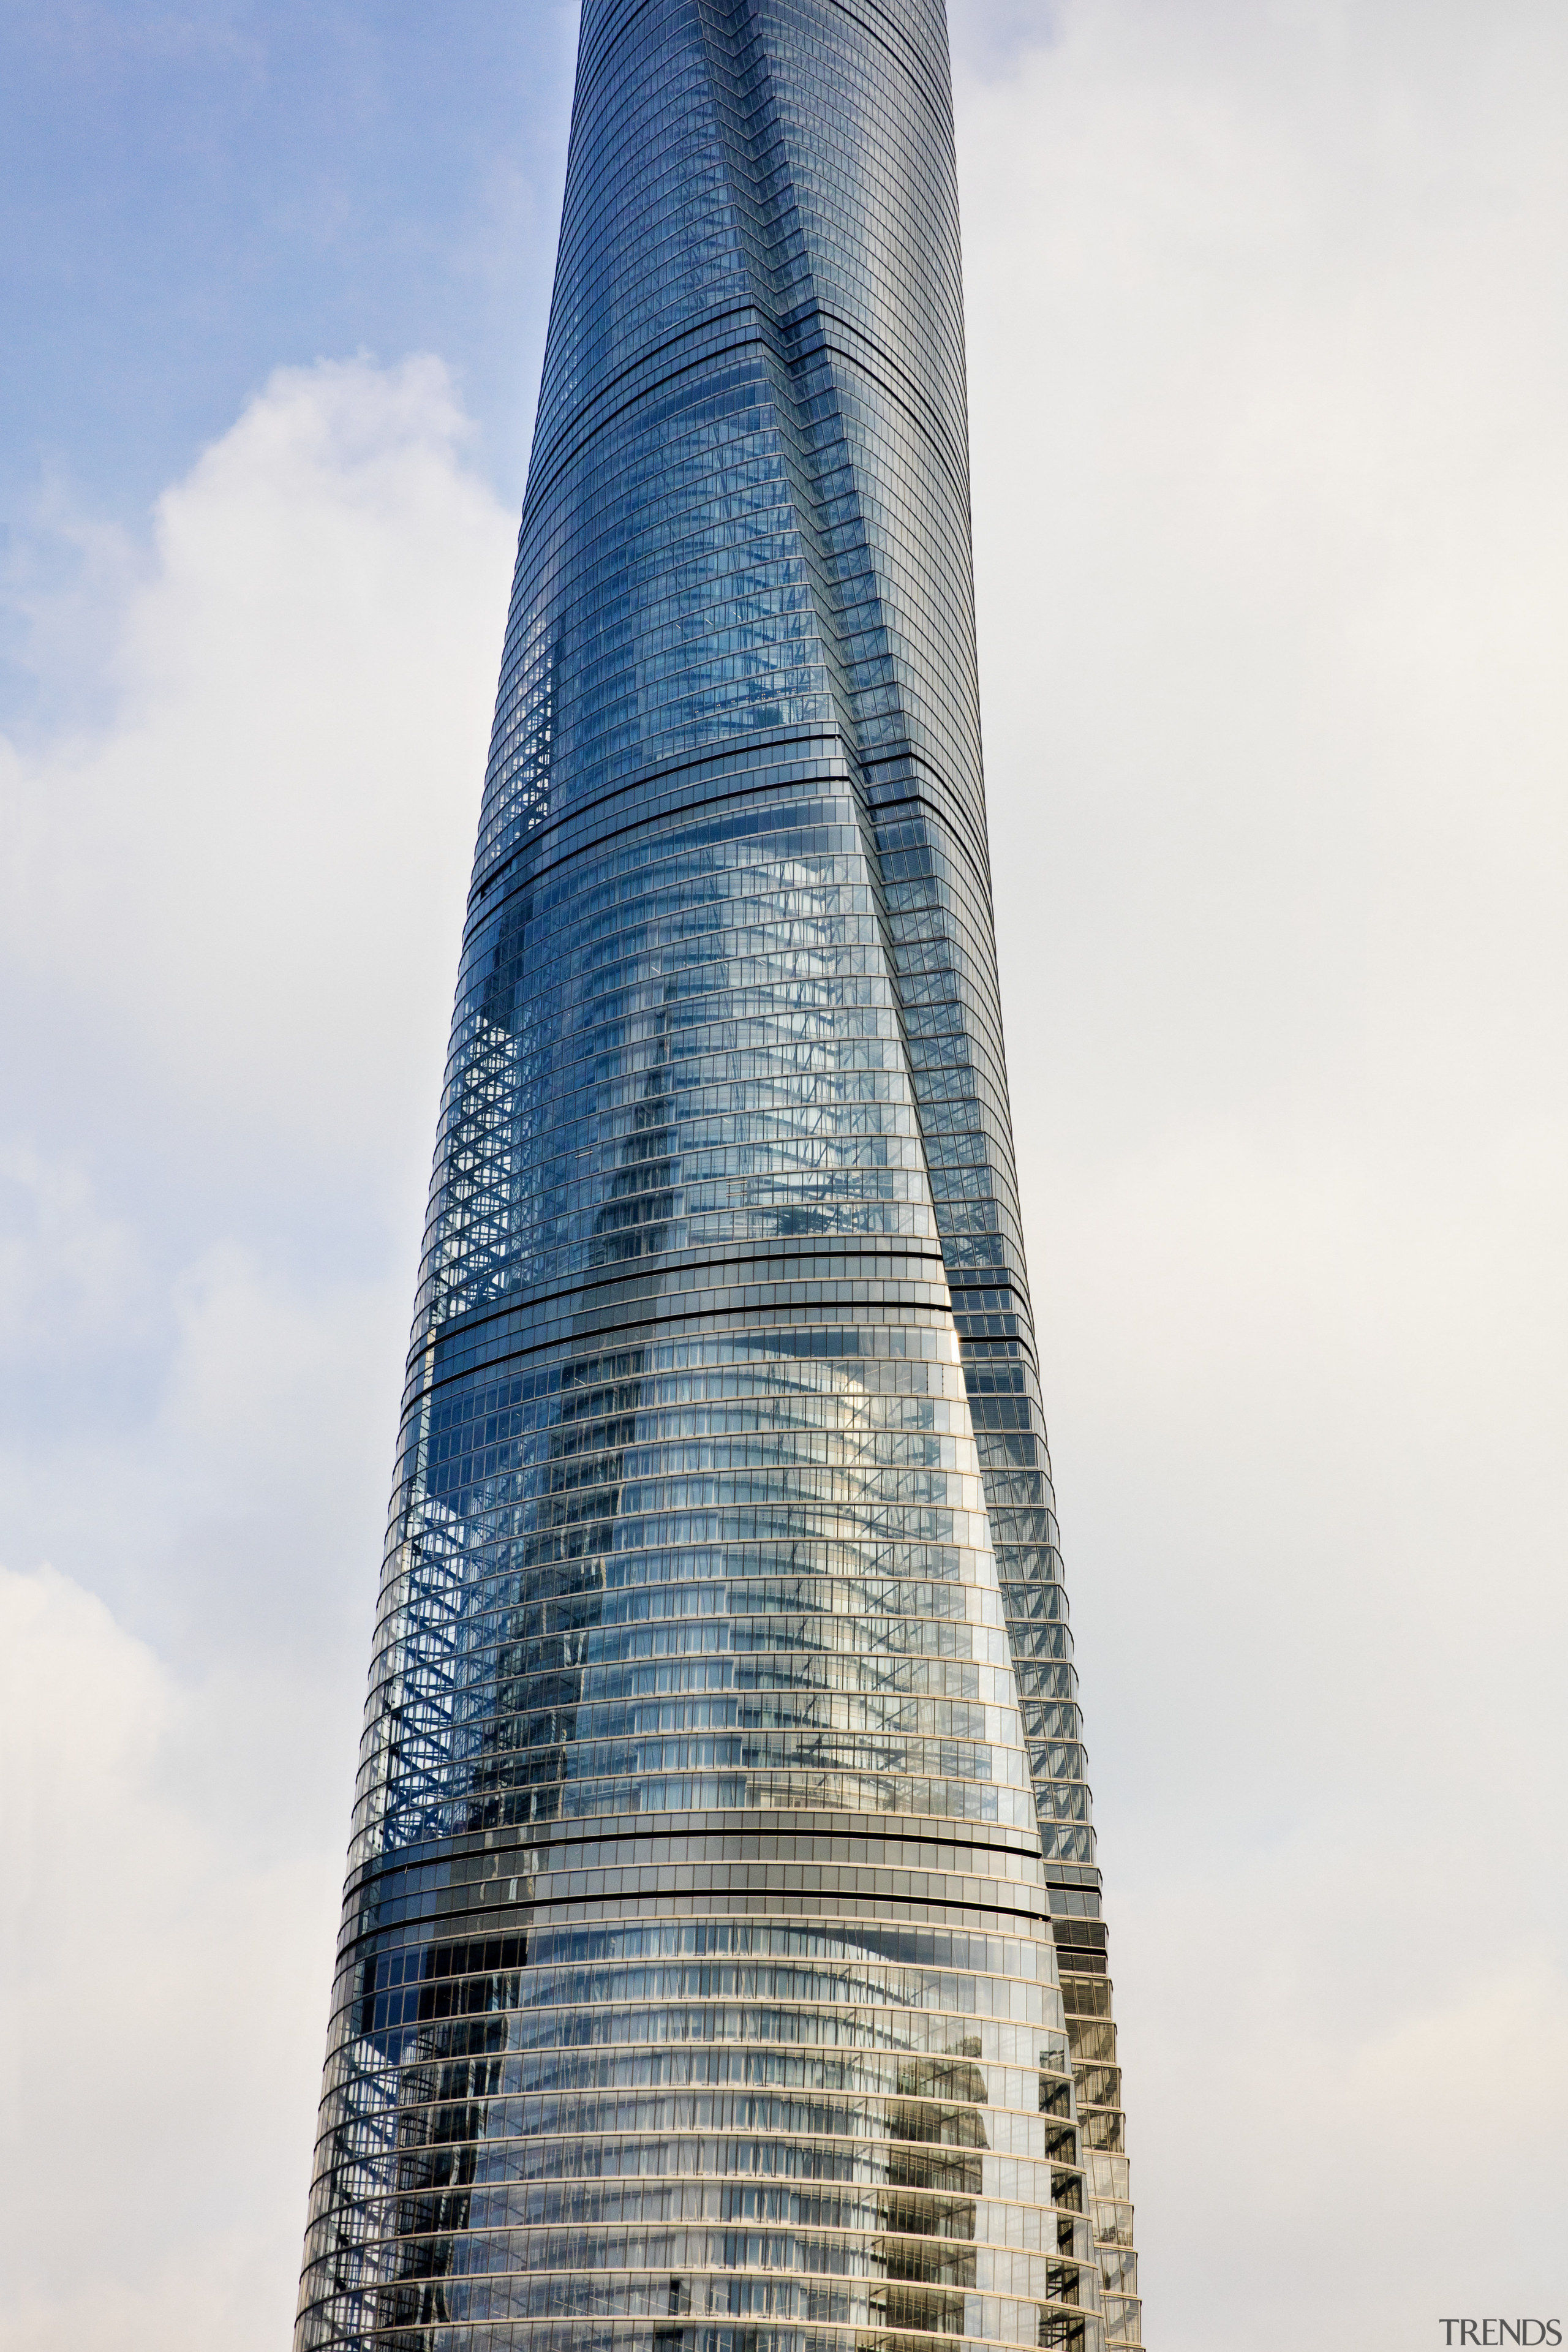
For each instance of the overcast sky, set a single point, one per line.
(1268, 357)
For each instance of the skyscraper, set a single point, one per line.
(721, 1968)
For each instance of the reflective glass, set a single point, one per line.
(722, 1954)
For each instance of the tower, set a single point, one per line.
(721, 1960)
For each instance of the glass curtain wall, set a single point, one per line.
(721, 1968)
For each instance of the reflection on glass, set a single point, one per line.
(721, 1963)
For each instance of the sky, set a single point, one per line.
(1267, 344)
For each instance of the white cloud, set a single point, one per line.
(1270, 488)
(248, 880)
(230, 916)
(230, 911)
(154, 1975)
(71, 1272)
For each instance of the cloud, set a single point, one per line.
(230, 904)
(153, 1975)
(1270, 490)
(230, 909)
(247, 882)
(72, 1275)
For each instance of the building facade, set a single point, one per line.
(722, 1966)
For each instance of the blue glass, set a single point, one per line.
(721, 1955)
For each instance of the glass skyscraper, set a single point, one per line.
(722, 1966)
